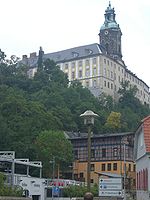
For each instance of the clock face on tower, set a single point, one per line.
(106, 32)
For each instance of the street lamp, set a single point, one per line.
(53, 162)
(124, 147)
(89, 120)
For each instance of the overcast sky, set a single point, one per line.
(61, 24)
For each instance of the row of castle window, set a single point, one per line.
(108, 73)
(94, 83)
(132, 78)
(111, 64)
(80, 63)
(126, 74)
(80, 73)
(109, 85)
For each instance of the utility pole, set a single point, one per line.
(124, 145)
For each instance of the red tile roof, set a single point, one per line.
(146, 130)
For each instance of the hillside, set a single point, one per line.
(46, 102)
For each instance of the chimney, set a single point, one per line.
(24, 57)
(33, 55)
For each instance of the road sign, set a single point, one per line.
(110, 187)
(111, 193)
(56, 191)
(110, 180)
(110, 184)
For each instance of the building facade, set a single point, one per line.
(99, 67)
(110, 154)
(142, 159)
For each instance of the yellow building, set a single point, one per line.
(110, 154)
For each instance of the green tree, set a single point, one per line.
(113, 122)
(128, 95)
(53, 145)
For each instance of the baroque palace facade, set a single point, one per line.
(98, 67)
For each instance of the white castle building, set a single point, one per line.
(98, 67)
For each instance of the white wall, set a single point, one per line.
(35, 186)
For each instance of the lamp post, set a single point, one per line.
(53, 174)
(89, 120)
(124, 147)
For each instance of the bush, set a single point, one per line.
(79, 191)
(8, 190)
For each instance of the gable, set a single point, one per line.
(140, 143)
(146, 128)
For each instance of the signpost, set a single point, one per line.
(110, 187)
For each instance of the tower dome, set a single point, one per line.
(110, 21)
(110, 34)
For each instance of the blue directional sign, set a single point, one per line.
(55, 191)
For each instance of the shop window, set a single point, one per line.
(104, 153)
(103, 167)
(92, 167)
(115, 151)
(93, 153)
(76, 154)
(109, 166)
(81, 175)
(115, 166)
(129, 169)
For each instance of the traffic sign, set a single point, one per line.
(114, 193)
(110, 184)
(110, 187)
(110, 180)
(56, 191)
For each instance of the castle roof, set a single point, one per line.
(79, 52)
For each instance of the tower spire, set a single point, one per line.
(109, 4)
(110, 34)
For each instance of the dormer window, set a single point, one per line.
(75, 54)
(88, 51)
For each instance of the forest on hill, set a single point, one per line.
(47, 102)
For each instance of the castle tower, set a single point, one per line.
(110, 34)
